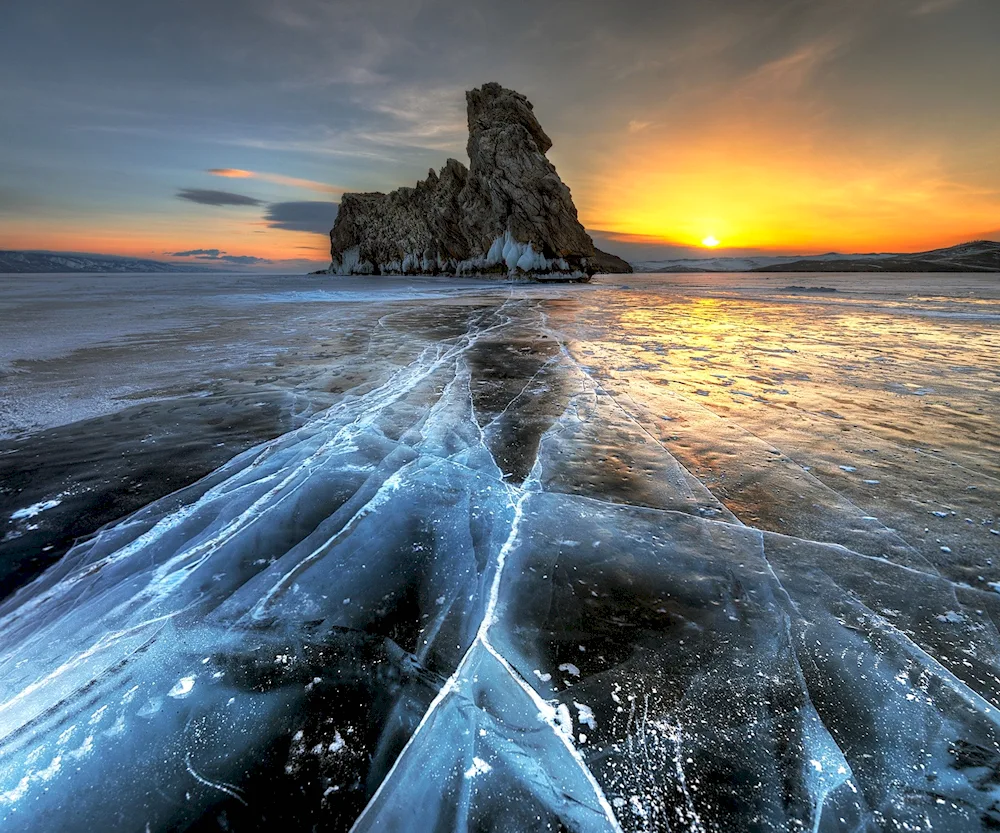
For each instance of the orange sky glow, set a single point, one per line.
(750, 166)
(146, 238)
(760, 164)
(781, 128)
(766, 192)
(749, 187)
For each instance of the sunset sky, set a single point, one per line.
(211, 131)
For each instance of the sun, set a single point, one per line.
(710, 241)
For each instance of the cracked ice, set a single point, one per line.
(541, 569)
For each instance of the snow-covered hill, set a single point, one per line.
(48, 262)
(732, 264)
(977, 256)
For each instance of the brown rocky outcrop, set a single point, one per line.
(508, 213)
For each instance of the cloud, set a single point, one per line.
(244, 260)
(312, 216)
(932, 6)
(234, 173)
(277, 179)
(636, 247)
(793, 71)
(636, 126)
(418, 117)
(219, 255)
(207, 197)
(385, 128)
(369, 94)
(210, 253)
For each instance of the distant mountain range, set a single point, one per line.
(45, 262)
(977, 256)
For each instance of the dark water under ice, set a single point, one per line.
(658, 553)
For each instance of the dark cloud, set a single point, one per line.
(207, 253)
(244, 260)
(311, 215)
(634, 248)
(221, 256)
(204, 196)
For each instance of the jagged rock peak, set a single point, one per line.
(507, 214)
(491, 107)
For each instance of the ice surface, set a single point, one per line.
(521, 576)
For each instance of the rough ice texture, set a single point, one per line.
(519, 577)
(508, 213)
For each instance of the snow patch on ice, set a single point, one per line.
(182, 688)
(479, 767)
(585, 715)
(35, 509)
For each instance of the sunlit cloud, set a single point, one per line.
(791, 72)
(234, 173)
(277, 179)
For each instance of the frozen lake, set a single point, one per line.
(659, 552)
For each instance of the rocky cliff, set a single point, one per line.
(508, 213)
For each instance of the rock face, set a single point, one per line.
(508, 213)
(606, 263)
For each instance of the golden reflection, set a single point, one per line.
(840, 363)
(799, 412)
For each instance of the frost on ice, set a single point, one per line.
(487, 592)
